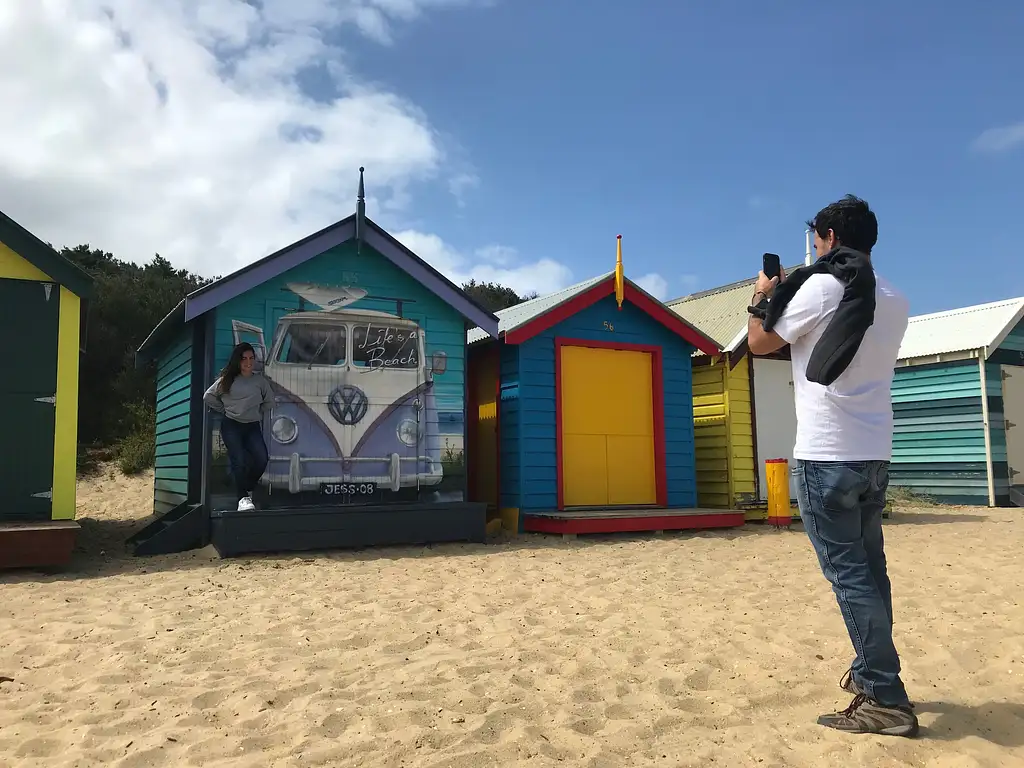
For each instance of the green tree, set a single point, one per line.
(130, 300)
(494, 296)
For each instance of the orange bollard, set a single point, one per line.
(776, 472)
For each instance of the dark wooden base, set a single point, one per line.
(37, 544)
(630, 520)
(342, 527)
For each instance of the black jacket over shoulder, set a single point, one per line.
(855, 314)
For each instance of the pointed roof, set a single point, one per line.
(44, 258)
(965, 329)
(511, 318)
(720, 312)
(213, 295)
(524, 321)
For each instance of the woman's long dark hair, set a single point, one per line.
(233, 369)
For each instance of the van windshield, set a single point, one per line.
(313, 343)
(378, 345)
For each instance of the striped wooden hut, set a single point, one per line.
(43, 306)
(958, 400)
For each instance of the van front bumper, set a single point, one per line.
(388, 473)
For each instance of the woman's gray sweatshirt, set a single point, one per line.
(250, 397)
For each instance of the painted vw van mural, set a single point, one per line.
(355, 411)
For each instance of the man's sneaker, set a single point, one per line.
(866, 715)
(848, 684)
(245, 504)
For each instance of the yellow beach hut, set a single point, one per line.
(743, 405)
(42, 302)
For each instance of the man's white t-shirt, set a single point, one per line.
(851, 419)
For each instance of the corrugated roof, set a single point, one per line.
(720, 313)
(520, 314)
(961, 330)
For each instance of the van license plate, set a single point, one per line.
(348, 489)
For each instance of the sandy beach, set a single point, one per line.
(689, 649)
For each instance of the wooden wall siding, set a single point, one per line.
(1011, 351)
(536, 373)
(742, 455)
(173, 405)
(509, 412)
(726, 472)
(938, 433)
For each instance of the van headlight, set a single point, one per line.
(284, 429)
(408, 432)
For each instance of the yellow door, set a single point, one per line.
(607, 428)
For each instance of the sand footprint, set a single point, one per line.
(699, 680)
(211, 699)
(334, 725)
(589, 726)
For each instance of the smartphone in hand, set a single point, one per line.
(772, 265)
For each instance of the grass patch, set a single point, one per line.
(905, 497)
(136, 452)
(92, 459)
(453, 463)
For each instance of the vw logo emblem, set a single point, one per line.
(347, 404)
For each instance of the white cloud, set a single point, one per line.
(497, 254)
(654, 284)
(497, 264)
(999, 139)
(181, 126)
(689, 282)
(460, 184)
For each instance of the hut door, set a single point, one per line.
(607, 427)
(1013, 415)
(775, 416)
(29, 312)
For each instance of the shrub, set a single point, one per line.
(136, 452)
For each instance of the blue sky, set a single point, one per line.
(707, 133)
(511, 140)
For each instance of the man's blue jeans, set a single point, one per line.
(841, 505)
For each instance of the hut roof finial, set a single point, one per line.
(360, 212)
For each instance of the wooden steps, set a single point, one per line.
(630, 520)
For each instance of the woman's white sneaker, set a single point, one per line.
(245, 504)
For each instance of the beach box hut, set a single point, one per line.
(743, 405)
(364, 345)
(958, 403)
(43, 298)
(581, 414)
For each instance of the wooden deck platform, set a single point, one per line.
(40, 544)
(630, 520)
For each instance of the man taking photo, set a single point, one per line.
(844, 324)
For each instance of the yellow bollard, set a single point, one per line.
(776, 472)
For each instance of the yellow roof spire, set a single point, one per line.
(620, 287)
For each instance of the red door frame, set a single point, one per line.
(658, 399)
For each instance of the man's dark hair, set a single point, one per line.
(854, 224)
